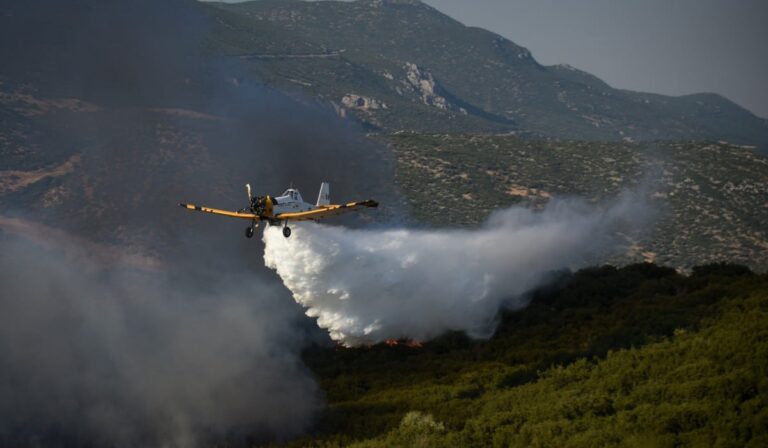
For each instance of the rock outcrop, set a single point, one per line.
(423, 84)
(360, 102)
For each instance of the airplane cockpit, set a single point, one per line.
(292, 194)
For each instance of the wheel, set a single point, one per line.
(249, 232)
(286, 231)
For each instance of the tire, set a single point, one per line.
(286, 231)
(249, 232)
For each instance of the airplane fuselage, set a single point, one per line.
(289, 202)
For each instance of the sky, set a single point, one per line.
(673, 47)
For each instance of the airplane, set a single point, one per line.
(287, 207)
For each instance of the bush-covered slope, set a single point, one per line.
(710, 199)
(638, 356)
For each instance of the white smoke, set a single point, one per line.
(366, 286)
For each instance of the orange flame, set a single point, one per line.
(404, 342)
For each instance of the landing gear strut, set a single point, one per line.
(250, 230)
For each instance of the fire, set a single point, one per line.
(404, 342)
(389, 342)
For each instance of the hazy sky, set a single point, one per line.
(663, 46)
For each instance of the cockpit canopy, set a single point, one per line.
(292, 194)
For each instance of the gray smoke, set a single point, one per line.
(96, 349)
(95, 355)
(366, 286)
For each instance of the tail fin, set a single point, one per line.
(324, 198)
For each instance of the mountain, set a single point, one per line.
(402, 65)
(103, 155)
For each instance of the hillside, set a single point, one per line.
(710, 199)
(119, 148)
(116, 174)
(104, 130)
(639, 356)
(402, 65)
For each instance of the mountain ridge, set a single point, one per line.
(373, 43)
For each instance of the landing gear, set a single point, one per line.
(286, 229)
(250, 230)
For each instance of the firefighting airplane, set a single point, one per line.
(288, 207)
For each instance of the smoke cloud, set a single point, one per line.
(201, 346)
(366, 286)
(118, 356)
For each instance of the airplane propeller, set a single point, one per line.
(250, 195)
(250, 230)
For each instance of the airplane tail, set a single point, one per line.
(324, 198)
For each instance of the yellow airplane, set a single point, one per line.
(288, 207)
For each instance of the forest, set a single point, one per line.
(634, 356)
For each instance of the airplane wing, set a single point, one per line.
(326, 210)
(216, 211)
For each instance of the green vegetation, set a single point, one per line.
(638, 356)
(709, 197)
